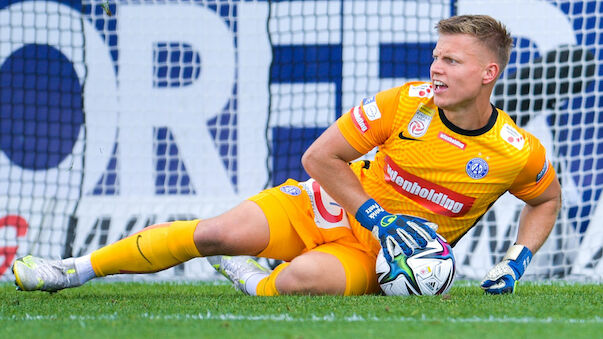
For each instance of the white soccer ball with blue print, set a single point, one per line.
(429, 271)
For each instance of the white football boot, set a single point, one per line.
(37, 274)
(237, 269)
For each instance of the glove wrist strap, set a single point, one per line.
(370, 213)
(519, 257)
(516, 251)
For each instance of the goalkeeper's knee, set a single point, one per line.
(153, 249)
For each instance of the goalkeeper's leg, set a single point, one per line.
(332, 268)
(242, 230)
(316, 262)
(153, 249)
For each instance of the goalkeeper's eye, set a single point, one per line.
(450, 61)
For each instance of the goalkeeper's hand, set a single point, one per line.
(503, 277)
(405, 234)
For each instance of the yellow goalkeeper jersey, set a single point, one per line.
(427, 167)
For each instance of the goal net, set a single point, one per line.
(171, 110)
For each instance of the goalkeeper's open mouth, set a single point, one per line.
(439, 87)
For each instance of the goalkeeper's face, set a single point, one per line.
(460, 67)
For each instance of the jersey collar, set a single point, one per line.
(474, 132)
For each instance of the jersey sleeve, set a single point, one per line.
(370, 123)
(537, 174)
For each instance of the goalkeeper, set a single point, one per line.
(446, 154)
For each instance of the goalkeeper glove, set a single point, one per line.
(503, 277)
(405, 233)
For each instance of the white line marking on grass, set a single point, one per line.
(313, 318)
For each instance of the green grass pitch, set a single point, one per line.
(209, 310)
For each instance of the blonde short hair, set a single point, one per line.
(489, 31)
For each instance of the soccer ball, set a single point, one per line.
(429, 271)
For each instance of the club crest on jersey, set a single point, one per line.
(477, 168)
(512, 136)
(291, 190)
(371, 109)
(420, 91)
(417, 127)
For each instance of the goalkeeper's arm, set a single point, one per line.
(326, 160)
(535, 224)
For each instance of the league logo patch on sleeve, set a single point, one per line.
(371, 109)
(291, 190)
(543, 170)
(420, 91)
(512, 136)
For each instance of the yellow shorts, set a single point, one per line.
(302, 218)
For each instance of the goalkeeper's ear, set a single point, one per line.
(491, 73)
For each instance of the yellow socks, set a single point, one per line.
(153, 249)
(267, 286)
(158, 247)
